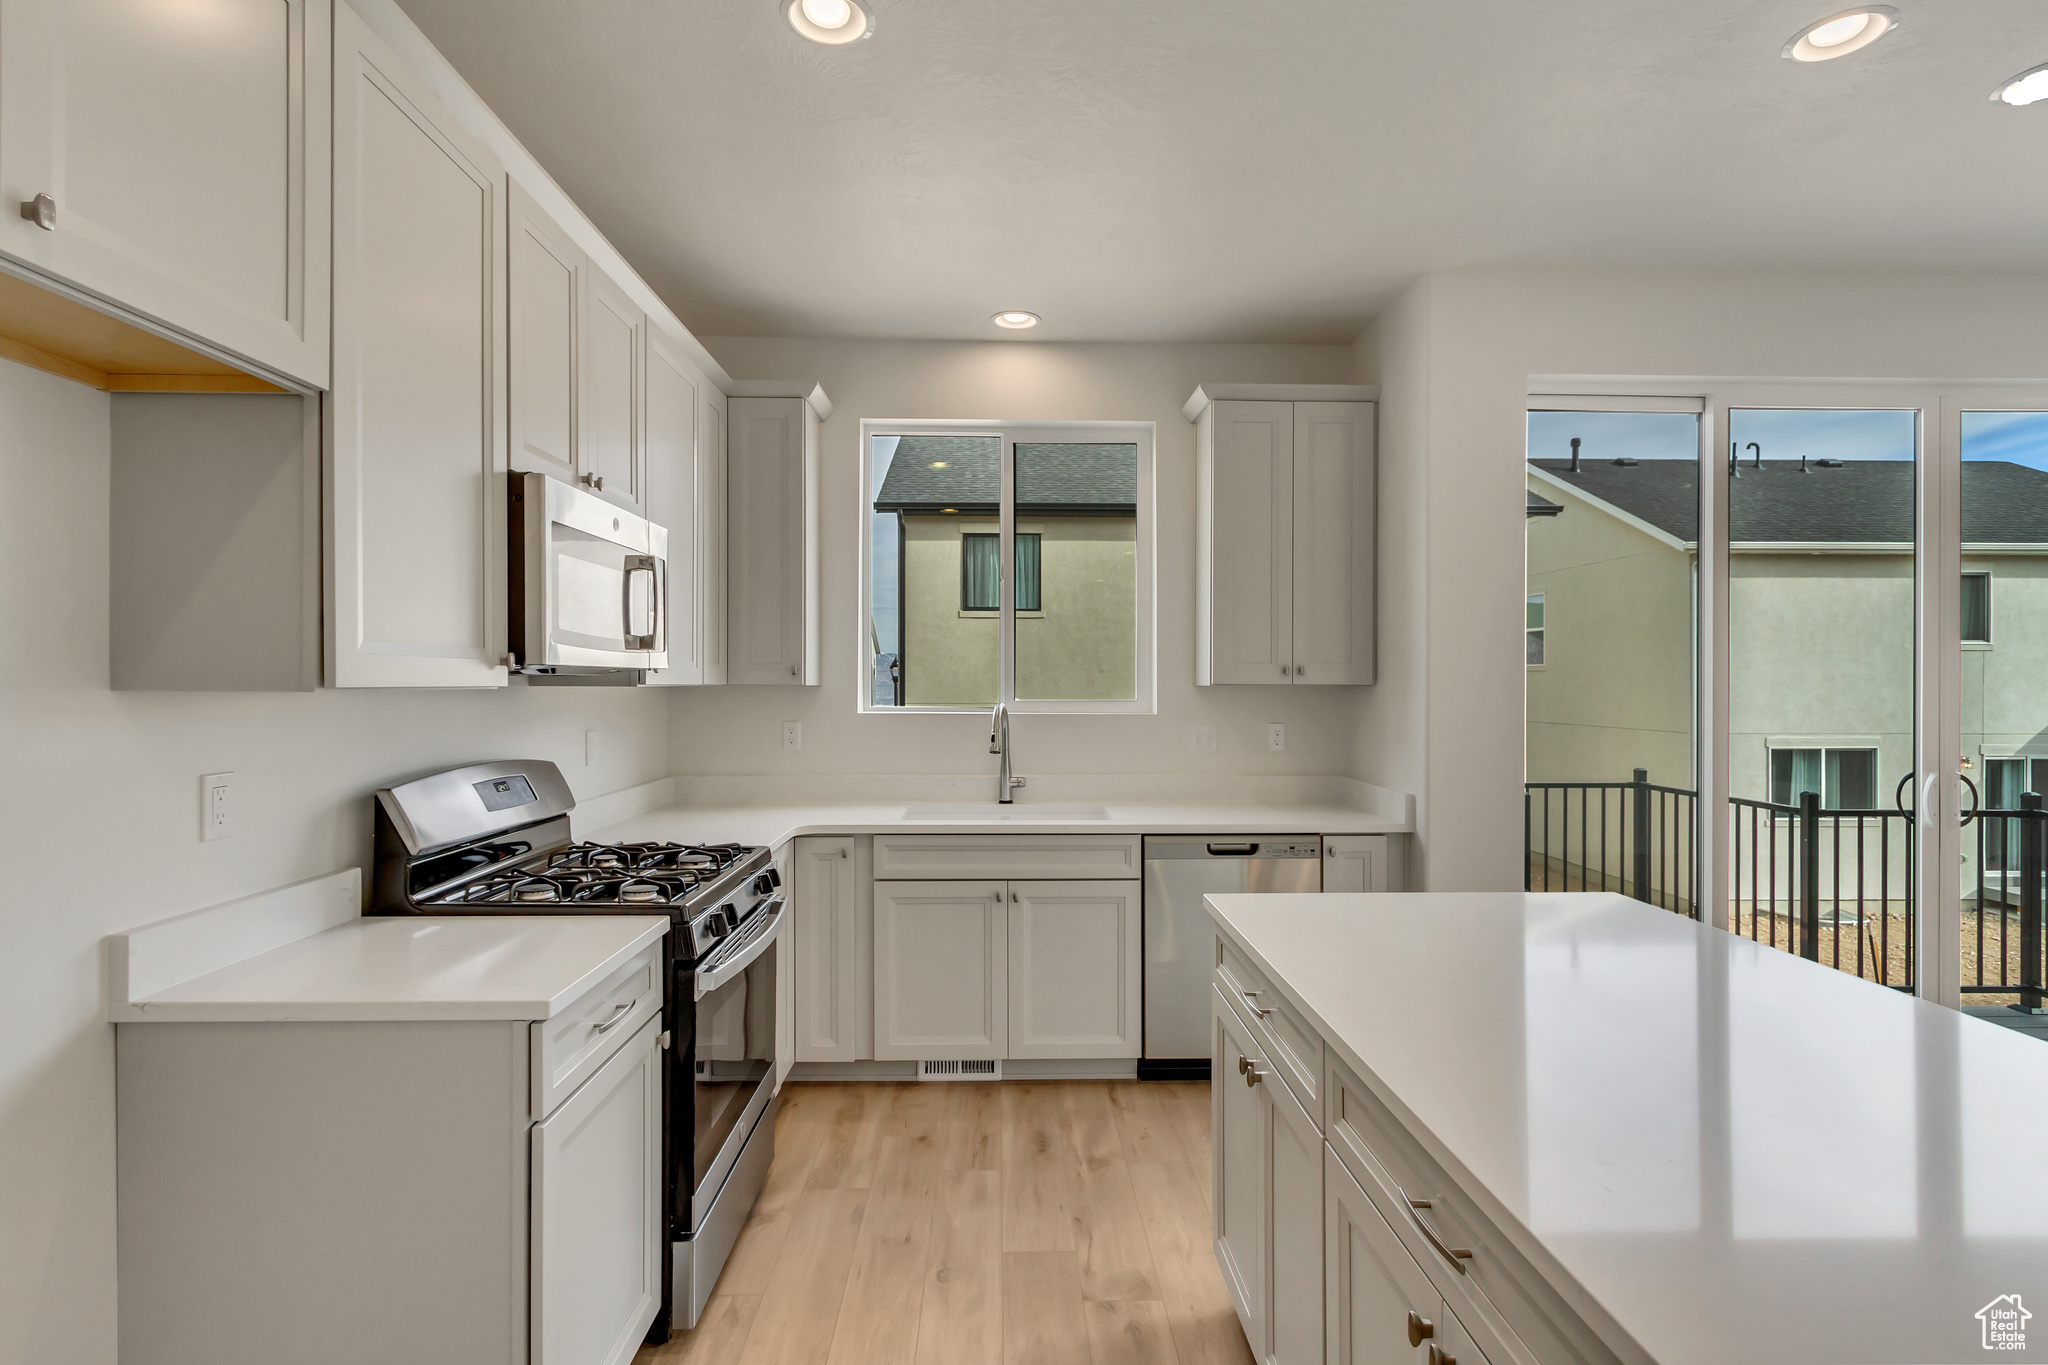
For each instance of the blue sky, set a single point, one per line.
(1784, 434)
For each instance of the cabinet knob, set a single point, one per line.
(594, 481)
(1439, 1356)
(42, 211)
(1420, 1328)
(1301, 670)
(1244, 1064)
(1283, 670)
(1253, 1076)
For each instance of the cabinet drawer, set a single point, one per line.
(1499, 1297)
(570, 1047)
(1289, 1042)
(1049, 857)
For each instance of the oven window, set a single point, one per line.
(735, 1051)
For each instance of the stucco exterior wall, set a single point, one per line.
(1082, 643)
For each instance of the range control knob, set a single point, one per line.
(764, 883)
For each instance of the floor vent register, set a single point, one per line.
(960, 1071)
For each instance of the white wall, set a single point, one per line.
(1477, 336)
(100, 812)
(737, 730)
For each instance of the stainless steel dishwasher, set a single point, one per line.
(1179, 871)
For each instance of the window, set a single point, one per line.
(1977, 608)
(1008, 562)
(1533, 638)
(1846, 779)
(979, 581)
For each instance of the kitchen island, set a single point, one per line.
(1574, 1127)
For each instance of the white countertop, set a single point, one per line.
(515, 967)
(1739, 1155)
(776, 824)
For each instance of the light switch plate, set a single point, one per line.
(1202, 739)
(1276, 737)
(216, 807)
(792, 736)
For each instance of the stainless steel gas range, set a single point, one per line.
(493, 839)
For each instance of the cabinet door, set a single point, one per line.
(1333, 542)
(671, 462)
(941, 971)
(544, 272)
(608, 380)
(1076, 969)
(1371, 1282)
(188, 151)
(785, 980)
(415, 442)
(1292, 1249)
(826, 950)
(711, 532)
(596, 1219)
(1249, 578)
(1238, 1201)
(1356, 862)
(772, 467)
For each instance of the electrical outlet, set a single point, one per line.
(589, 748)
(216, 807)
(1202, 739)
(1276, 737)
(792, 736)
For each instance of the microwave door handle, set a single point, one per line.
(637, 564)
(724, 967)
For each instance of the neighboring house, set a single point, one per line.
(1076, 569)
(1820, 626)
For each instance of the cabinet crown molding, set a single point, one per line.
(1205, 394)
(808, 390)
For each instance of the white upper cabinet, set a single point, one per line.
(673, 503)
(544, 279)
(609, 380)
(772, 468)
(416, 445)
(184, 153)
(1285, 534)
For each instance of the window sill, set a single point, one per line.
(997, 616)
(1977, 644)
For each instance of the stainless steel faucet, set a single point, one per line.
(999, 743)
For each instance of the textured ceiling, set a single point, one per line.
(1248, 170)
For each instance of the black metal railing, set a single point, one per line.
(1833, 886)
(1632, 837)
(2003, 919)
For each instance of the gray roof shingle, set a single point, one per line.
(1074, 479)
(1862, 501)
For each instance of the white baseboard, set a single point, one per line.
(1052, 1069)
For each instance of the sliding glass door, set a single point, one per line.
(1822, 566)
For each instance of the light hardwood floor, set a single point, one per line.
(1013, 1223)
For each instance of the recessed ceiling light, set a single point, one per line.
(1016, 317)
(1840, 34)
(830, 21)
(2029, 87)
(938, 464)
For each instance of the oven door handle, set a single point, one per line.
(729, 963)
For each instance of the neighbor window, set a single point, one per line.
(1008, 562)
(1533, 638)
(1977, 608)
(1845, 779)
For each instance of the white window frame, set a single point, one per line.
(1141, 434)
(1825, 745)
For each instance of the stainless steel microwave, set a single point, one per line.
(589, 579)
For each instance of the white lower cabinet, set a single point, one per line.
(942, 973)
(1268, 1197)
(1076, 969)
(597, 1208)
(1382, 1309)
(992, 969)
(1362, 862)
(825, 949)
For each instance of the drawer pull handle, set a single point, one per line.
(618, 1012)
(1251, 998)
(1420, 1328)
(1454, 1255)
(1439, 1356)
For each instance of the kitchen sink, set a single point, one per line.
(992, 810)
